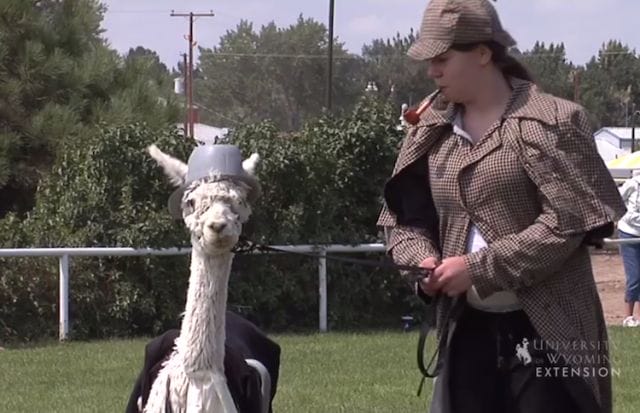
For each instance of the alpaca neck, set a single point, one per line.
(202, 335)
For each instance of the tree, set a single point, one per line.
(550, 68)
(59, 79)
(276, 73)
(104, 190)
(141, 91)
(608, 86)
(42, 49)
(398, 77)
(155, 68)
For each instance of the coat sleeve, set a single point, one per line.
(563, 161)
(627, 189)
(579, 203)
(411, 245)
(522, 259)
(409, 216)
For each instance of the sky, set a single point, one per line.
(582, 25)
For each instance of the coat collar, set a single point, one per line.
(526, 102)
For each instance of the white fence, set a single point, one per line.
(64, 254)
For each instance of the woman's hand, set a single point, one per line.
(428, 284)
(451, 277)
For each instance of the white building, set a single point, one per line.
(206, 133)
(612, 142)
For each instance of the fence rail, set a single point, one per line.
(64, 254)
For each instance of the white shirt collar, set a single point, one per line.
(457, 127)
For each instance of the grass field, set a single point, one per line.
(336, 372)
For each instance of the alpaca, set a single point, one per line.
(213, 198)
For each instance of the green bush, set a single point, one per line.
(321, 185)
(103, 191)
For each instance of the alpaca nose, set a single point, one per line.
(217, 226)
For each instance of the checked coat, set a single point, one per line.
(539, 194)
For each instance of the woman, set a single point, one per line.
(629, 227)
(497, 192)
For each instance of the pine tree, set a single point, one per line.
(58, 79)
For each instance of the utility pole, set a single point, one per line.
(185, 73)
(576, 86)
(189, 77)
(330, 57)
(633, 127)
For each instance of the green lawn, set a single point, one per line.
(319, 373)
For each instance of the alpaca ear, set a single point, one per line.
(174, 168)
(249, 164)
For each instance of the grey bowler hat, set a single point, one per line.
(218, 162)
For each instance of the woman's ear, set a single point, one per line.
(484, 54)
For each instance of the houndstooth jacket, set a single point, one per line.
(538, 192)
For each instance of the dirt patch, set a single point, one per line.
(609, 275)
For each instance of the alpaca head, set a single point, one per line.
(214, 195)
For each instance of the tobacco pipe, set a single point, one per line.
(412, 116)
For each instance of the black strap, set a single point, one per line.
(439, 355)
(247, 246)
(428, 325)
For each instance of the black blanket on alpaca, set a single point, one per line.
(244, 341)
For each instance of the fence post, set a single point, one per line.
(64, 297)
(322, 289)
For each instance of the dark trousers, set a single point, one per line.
(486, 376)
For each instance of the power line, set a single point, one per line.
(135, 11)
(158, 11)
(352, 57)
(284, 55)
(524, 55)
(214, 112)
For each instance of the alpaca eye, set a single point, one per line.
(190, 203)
